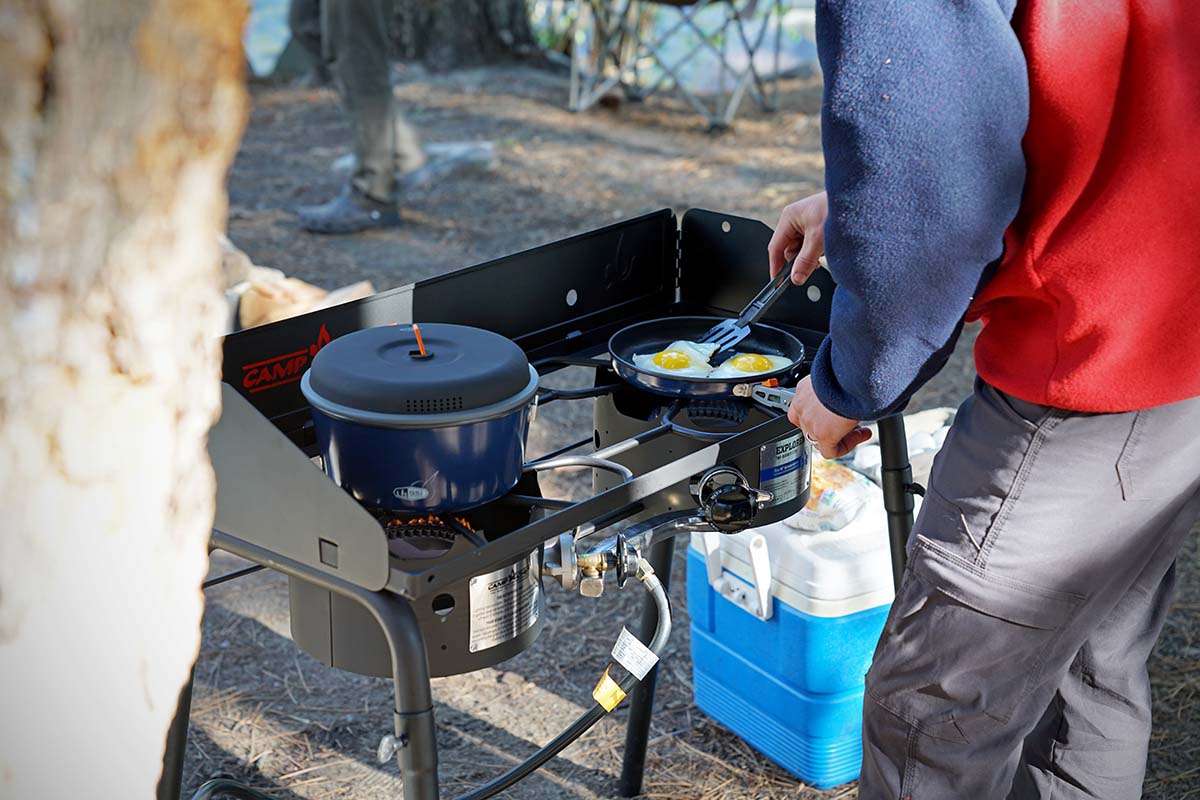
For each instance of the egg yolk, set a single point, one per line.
(672, 359)
(751, 362)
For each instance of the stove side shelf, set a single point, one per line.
(270, 495)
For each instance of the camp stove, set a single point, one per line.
(421, 595)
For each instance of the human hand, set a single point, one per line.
(833, 435)
(800, 234)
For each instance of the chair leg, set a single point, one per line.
(617, 36)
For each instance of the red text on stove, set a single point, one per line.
(287, 368)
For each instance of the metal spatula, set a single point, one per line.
(728, 333)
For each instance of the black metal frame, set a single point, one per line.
(573, 294)
(414, 726)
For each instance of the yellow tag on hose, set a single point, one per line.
(608, 693)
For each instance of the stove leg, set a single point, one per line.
(896, 480)
(415, 732)
(170, 783)
(416, 741)
(641, 700)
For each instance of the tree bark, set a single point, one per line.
(444, 35)
(120, 118)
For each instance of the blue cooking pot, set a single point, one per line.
(429, 426)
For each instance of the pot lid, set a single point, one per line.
(382, 369)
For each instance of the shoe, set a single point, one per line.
(349, 212)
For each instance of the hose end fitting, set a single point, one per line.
(646, 574)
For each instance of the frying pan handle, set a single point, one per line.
(774, 397)
(767, 297)
(797, 372)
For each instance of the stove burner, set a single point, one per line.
(723, 413)
(423, 538)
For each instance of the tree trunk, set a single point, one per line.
(120, 118)
(444, 35)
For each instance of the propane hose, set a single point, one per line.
(228, 786)
(595, 713)
(662, 632)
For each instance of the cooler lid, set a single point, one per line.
(382, 370)
(822, 573)
(832, 565)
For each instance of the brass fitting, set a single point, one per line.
(596, 562)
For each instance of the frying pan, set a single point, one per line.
(656, 334)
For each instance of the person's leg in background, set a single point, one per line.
(356, 41)
(304, 21)
(357, 32)
(1038, 525)
(1092, 740)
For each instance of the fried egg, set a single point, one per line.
(744, 365)
(681, 360)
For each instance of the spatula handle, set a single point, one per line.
(767, 297)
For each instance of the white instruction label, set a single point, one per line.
(634, 656)
(504, 603)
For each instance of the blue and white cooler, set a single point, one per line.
(784, 622)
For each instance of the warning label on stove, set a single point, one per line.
(504, 603)
(783, 469)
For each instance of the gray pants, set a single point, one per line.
(1013, 662)
(351, 36)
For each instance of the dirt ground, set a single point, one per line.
(267, 713)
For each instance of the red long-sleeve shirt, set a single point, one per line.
(1096, 304)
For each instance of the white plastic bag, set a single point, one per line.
(838, 495)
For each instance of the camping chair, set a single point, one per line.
(617, 43)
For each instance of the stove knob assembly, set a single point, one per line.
(727, 499)
(730, 508)
(582, 560)
(562, 561)
(559, 562)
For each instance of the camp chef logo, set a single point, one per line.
(288, 368)
(418, 490)
(517, 574)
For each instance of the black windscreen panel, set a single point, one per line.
(265, 364)
(561, 290)
(724, 264)
(545, 299)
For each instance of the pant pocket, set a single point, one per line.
(963, 648)
(1159, 458)
(943, 522)
(981, 472)
(1023, 412)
